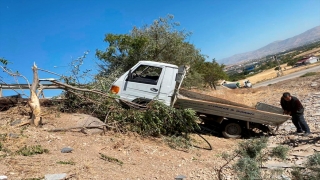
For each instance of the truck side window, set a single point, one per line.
(146, 74)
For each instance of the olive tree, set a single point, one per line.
(162, 41)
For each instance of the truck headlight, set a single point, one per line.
(114, 89)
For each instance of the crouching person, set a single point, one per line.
(293, 107)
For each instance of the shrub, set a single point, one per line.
(110, 159)
(252, 148)
(157, 119)
(311, 171)
(280, 152)
(32, 150)
(247, 169)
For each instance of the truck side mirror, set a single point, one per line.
(182, 70)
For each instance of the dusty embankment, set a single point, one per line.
(142, 158)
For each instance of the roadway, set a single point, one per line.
(288, 76)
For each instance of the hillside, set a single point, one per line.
(310, 36)
(132, 156)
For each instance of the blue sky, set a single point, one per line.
(52, 32)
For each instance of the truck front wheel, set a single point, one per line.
(232, 130)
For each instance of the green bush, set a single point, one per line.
(32, 150)
(280, 152)
(314, 160)
(252, 148)
(157, 119)
(178, 142)
(250, 156)
(247, 169)
(311, 171)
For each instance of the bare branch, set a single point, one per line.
(13, 89)
(50, 72)
(131, 104)
(78, 127)
(15, 74)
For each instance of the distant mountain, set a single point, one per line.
(307, 37)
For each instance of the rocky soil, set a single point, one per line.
(131, 156)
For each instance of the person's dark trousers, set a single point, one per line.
(300, 123)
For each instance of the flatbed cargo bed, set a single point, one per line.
(268, 115)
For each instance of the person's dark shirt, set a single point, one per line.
(294, 105)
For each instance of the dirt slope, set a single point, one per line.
(143, 158)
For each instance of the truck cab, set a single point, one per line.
(147, 80)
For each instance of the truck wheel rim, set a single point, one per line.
(233, 129)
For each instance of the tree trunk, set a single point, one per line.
(34, 102)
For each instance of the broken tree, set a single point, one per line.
(34, 102)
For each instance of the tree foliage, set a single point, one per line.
(155, 119)
(211, 72)
(162, 41)
(158, 119)
(3, 61)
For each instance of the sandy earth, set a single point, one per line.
(143, 158)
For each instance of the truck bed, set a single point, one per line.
(268, 115)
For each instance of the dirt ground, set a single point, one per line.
(142, 158)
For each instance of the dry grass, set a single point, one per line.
(315, 52)
(271, 73)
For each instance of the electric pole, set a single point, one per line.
(279, 68)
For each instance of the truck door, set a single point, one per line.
(143, 83)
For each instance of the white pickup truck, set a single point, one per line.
(149, 80)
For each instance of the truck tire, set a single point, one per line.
(232, 130)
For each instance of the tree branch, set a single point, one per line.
(15, 74)
(78, 127)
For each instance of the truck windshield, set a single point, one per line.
(146, 74)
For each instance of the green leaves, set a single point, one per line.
(212, 72)
(158, 119)
(311, 170)
(160, 41)
(314, 160)
(32, 150)
(252, 148)
(280, 152)
(4, 61)
(247, 168)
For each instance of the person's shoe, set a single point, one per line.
(307, 134)
(298, 132)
